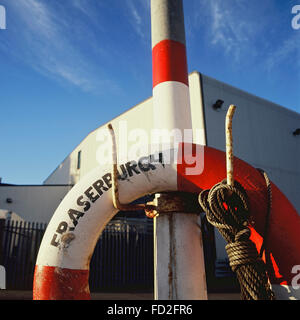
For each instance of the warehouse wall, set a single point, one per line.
(68, 171)
(262, 136)
(32, 203)
(138, 117)
(262, 133)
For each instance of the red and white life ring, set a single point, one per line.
(62, 268)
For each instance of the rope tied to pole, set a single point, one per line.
(226, 208)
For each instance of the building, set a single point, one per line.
(33, 203)
(265, 135)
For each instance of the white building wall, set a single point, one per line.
(9, 215)
(139, 116)
(262, 133)
(136, 118)
(32, 203)
(262, 136)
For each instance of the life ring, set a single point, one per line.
(62, 267)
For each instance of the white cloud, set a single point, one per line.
(82, 6)
(247, 32)
(36, 17)
(230, 27)
(288, 50)
(45, 40)
(139, 9)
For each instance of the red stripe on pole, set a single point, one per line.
(283, 245)
(169, 62)
(54, 283)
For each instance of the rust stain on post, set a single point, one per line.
(172, 260)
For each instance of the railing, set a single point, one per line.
(20, 244)
(122, 259)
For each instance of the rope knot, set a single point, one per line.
(241, 253)
(226, 208)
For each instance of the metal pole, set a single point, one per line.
(179, 272)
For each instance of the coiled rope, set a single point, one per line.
(227, 209)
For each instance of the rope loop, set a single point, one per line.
(227, 209)
(241, 253)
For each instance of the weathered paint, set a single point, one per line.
(172, 111)
(229, 145)
(54, 283)
(167, 21)
(283, 236)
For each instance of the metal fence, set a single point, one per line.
(122, 259)
(20, 244)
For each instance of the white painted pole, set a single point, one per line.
(179, 272)
(179, 260)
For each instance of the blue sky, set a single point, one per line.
(67, 67)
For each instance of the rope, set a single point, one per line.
(227, 209)
(269, 191)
